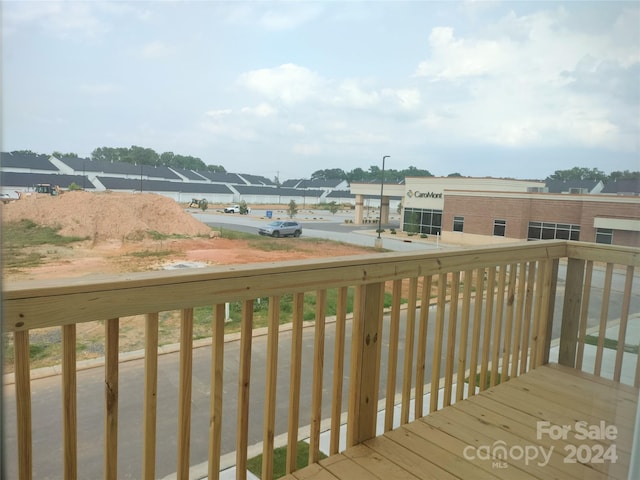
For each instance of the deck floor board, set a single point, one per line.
(451, 443)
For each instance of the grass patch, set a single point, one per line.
(610, 343)
(254, 465)
(20, 238)
(25, 233)
(235, 235)
(154, 235)
(151, 253)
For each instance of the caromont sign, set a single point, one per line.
(419, 194)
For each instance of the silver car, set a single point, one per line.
(281, 228)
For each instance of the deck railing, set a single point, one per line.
(459, 321)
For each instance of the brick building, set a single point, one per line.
(497, 217)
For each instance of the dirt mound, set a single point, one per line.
(106, 215)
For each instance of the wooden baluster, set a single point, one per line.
(508, 328)
(149, 416)
(488, 321)
(451, 338)
(392, 362)
(318, 372)
(584, 314)
(217, 377)
(69, 402)
(270, 387)
(338, 370)
(539, 311)
(521, 292)
(528, 306)
(112, 332)
(624, 317)
(475, 337)
(244, 382)
(464, 334)
(497, 331)
(408, 351)
(604, 313)
(421, 361)
(184, 399)
(437, 346)
(294, 381)
(547, 311)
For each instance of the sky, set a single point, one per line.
(283, 89)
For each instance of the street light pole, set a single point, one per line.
(381, 190)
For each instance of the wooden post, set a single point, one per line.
(571, 312)
(23, 404)
(365, 363)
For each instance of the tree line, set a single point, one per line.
(141, 156)
(374, 174)
(147, 156)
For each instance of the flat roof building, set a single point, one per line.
(472, 211)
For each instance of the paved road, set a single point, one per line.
(325, 225)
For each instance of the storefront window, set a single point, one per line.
(422, 221)
(553, 231)
(604, 235)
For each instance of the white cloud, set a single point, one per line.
(288, 83)
(156, 49)
(519, 86)
(219, 113)
(351, 94)
(406, 99)
(297, 128)
(288, 16)
(262, 110)
(99, 88)
(307, 149)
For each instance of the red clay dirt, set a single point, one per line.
(117, 225)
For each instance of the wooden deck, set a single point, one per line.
(460, 441)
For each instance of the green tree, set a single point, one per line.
(333, 207)
(625, 175)
(578, 173)
(64, 155)
(244, 209)
(107, 154)
(292, 209)
(142, 156)
(328, 174)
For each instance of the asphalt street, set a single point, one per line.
(320, 224)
